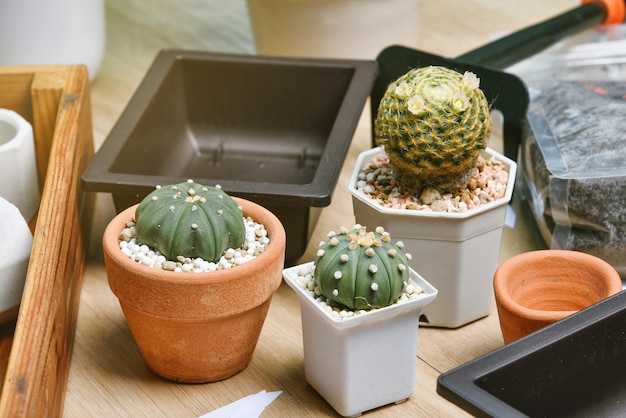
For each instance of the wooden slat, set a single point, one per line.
(38, 366)
(15, 89)
(46, 91)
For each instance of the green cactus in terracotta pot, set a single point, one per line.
(433, 123)
(361, 269)
(190, 220)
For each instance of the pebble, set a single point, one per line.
(430, 195)
(255, 243)
(488, 184)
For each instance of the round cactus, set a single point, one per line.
(360, 269)
(190, 220)
(433, 123)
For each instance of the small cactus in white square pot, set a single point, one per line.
(360, 302)
(434, 184)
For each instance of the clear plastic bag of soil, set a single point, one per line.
(573, 160)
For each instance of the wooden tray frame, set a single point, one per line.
(35, 350)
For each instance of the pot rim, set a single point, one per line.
(367, 155)
(430, 294)
(512, 265)
(258, 213)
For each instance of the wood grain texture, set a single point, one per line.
(37, 369)
(15, 88)
(46, 91)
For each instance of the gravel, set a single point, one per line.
(255, 243)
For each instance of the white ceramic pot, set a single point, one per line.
(19, 183)
(15, 247)
(357, 29)
(365, 361)
(457, 252)
(37, 32)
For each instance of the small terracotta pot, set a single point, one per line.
(196, 327)
(538, 288)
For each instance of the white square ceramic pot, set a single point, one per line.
(365, 361)
(457, 252)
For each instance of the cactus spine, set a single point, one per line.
(190, 220)
(433, 123)
(360, 269)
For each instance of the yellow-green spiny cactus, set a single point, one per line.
(433, 123)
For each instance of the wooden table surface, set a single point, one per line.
(108, 376)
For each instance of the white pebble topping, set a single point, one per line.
(254, 244)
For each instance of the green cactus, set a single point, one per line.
(190, 220)
(360, 269)
(433, 123)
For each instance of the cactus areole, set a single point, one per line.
(433, 123)
(190, 220)
(360, 269)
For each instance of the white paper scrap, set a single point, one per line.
(252, 406)
(510, 217)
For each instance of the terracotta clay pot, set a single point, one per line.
(538, 288)
(196, 327)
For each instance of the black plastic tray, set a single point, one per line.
(573, 368)
(272, 130)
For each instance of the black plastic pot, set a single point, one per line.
(272, 130)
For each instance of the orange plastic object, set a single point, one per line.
(615, 10)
